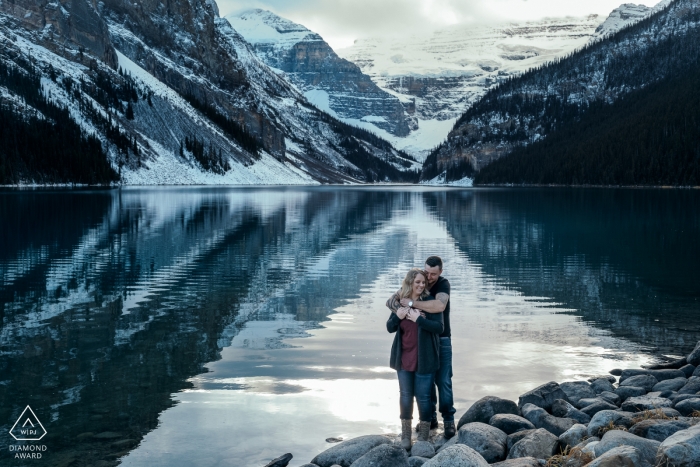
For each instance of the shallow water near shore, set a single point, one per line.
(227, 326)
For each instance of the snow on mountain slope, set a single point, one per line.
(624, 15)
(304, 58)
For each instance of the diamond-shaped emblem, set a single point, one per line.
(28, 427)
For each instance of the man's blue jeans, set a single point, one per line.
(412, 384)
(443, 383)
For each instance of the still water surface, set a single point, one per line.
(225, 327)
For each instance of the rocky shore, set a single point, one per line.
(634, 417)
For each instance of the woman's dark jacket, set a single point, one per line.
(429, 330)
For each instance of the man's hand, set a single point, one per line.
(404, 301)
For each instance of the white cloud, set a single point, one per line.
(340, 22)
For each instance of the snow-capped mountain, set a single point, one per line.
(175, 95)
(331, 83)
(439, 75)
(527, 108)
(624, 15)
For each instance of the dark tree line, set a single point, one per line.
(649, 137)
(210, 159)
(234, 130)
(373, 168)
(47, 146)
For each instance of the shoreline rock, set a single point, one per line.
(646, 416)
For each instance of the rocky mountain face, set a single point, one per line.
(175, 95)
(328, 81)
(527, 108)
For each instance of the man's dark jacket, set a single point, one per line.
(429, 329)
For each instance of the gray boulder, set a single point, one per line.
(647, 382)
(605, 417)
(696, 372)
(610, 378)
(615, 438)
(422, 449)
(541, 419)
(347, 452)
(517, 436)
(520, 462)
(659, 430)
(602, 384)
(385, 455)
(670, 384)
(488, 441)
(540, 444)
(681, 449)
(683, 397)
(691, 387)
(641, 403)
(509, 423)
(485, 408)
(457, 455)
(663, 375)
(563, 409)
(616, 372)
(415, 461)
(629, 391)
(610, 397)
(629, 373)
(577, 390)
(543, 396)
(688, 406)
(694, 356)
(282, 461)
(574, 435)
(600, 404)
(621, 456)
(688, 370)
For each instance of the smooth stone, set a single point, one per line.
(630, 372)
(485, 408)
(422, 449)
(610, 378)
(610, 397)
(517, 436)
(669, 412)
(601, 385)
(668, 394)
(416, 461)
(691, 387)
(384, 455)
(308, 465)
(601, 404)
(659, 430)
(347, 452)
(663, 375)
(681, 449)
(519, 462)
(282, 461)
(541, 419)
(683, 397)
(647, 382)
(621, 456)
(616, 372)
(629, 391)
(614, 438)
(577, 390)
(542, 396)
(688, 406)
(670, 384)
(509, 423)
(458, 455)
(689, 370)
(589, 448)
(604, 417)
(694, 356)
(640, 403)
(540, 444)
(488, 441)
(696, 372)
(563, 409)
(574, 435)
(673, 364)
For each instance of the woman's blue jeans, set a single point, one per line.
(418, 385)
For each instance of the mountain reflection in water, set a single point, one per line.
(119, 305)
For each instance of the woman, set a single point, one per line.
(415, 355)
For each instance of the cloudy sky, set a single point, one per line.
(340, 22)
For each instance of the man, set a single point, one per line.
(439, 288)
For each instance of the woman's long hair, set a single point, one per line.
(407, 284)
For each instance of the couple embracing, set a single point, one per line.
(422, 350)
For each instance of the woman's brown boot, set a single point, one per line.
(406, 434)
(423, 431)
